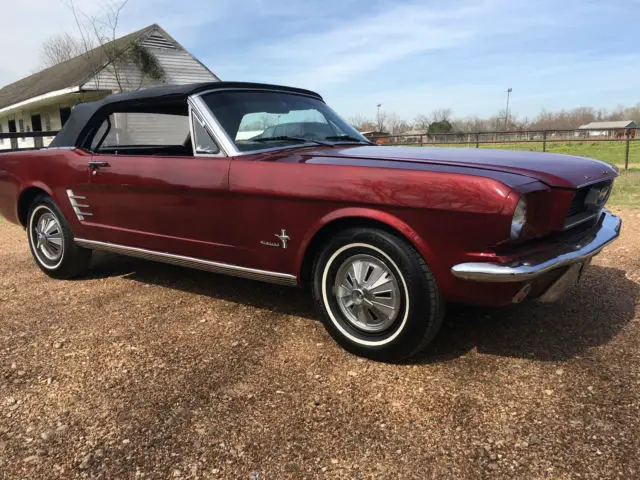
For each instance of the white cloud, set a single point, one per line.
(367, 43)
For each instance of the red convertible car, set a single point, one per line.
(268, 183)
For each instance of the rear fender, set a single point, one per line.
(27, 189)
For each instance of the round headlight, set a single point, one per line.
(519, 218)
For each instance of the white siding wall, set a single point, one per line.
(5, 143)
(52, 109)
(128, 74)
(178, 65)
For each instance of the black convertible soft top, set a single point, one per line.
(166, 98)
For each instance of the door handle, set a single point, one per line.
(94, 165)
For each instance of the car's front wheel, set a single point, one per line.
(51, 241)
(377, 294)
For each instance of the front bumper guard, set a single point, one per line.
(528, 268)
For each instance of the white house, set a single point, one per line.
(43, 101)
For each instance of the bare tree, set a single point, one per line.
(362, 123)
(105, 32)
(97, 44)
(59, 48)
(381, 120)
(545, 120)
(396, 125)
(392, 121)
(441, 114)
(421, 122)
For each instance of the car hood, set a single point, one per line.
(555, 170)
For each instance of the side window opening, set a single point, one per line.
(141, 133)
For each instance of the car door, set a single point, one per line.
(150, 192)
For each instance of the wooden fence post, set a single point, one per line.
(626, 153)
(477, 141)
(544, 141)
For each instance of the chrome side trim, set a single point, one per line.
(216, 267)
(528, 268)
(78, 206)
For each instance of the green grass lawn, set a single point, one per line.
(626, 188)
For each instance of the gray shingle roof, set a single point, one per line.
(72, 73)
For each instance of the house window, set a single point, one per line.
(21, 126)
(1, 139)
(65, 112)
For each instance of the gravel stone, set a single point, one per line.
(86, 461)
(472, 406)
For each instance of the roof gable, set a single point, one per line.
(72, 73)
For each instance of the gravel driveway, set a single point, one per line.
(150, 371)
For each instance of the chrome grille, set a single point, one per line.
(577, 205)
(587, 203)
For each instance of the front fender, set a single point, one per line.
(359, 213)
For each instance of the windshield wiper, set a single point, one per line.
(293, 139)
(347, 138)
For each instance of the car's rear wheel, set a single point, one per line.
(51, 241)
(377, 294)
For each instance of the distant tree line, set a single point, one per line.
(443, 121)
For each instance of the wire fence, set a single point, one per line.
(616, 146)
(619, 146)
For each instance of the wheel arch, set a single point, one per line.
(25, 199)
(348, 218)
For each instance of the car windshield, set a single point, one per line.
(260, 120)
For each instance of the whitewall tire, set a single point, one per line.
(377, 295)
(51, 241)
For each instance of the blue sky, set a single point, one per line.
(411, 56)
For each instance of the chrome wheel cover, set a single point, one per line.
(46, 237)
(368, 293)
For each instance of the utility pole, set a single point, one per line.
(378, 118)
(506, 114)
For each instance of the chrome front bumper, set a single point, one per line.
(530, 267)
